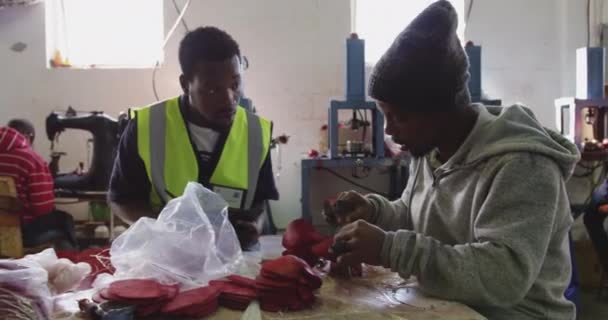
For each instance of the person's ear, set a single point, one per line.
(183, 81)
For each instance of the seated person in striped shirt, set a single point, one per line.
(41, 222)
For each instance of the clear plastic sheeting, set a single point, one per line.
(63, 275)
(31, 285)
(190, 243)
(24, 290)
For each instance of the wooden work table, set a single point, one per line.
(358, 300)
(380, 294)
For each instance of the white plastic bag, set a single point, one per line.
(31, 283)
(63, 275)
(191, 242)
(24, 290)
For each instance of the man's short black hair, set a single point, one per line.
(206, 44)
(25, 127)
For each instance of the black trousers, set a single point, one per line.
(56, 226)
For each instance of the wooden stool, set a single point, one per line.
(11, 243)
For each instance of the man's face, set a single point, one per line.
(214, 91)
(414, 131)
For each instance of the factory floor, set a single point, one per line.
(591, 307)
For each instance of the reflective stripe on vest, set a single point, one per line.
(170, 161)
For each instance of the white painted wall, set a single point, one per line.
(296, 50)
(529, 56)
(521, 51)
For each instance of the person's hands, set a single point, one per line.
(362, 243)
(248, 227)
(247, 233)
(350, 206)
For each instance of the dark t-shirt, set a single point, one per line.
(129, 181)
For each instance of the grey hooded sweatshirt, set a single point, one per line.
(489, 227)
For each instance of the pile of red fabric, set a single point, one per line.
(237, 293)
(196, 303)
(286, 283)
(151, 297)
(302, 240)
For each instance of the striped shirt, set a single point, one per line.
(29, 171)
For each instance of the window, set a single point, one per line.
(104, 33)
(379, 22)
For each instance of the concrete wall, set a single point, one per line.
(529, 55)
(522, 51)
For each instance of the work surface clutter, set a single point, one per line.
(85, 285)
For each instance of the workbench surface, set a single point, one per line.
(380, 294)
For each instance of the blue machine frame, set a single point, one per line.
(355, 99)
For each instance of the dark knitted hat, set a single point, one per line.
(426, 67)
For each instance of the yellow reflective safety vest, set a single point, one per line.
(164, 146)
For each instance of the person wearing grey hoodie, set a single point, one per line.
(484, 218)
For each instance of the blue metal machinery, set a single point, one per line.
(584, 118)
(474, 54)
(355, 100)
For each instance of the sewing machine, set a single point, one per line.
(106, 134)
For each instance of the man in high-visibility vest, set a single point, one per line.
(202, 135)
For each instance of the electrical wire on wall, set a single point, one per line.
(602, 24)
(354, 183)
(180, 18)
(353, 16)
(154, 80)
(64, 27)
(588, 23)
(179, 13)
(468, 13)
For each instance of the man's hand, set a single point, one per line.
(246, 231)
(350, 206)
(363, 242)
(247, 224)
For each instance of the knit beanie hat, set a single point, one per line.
(426, 67)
